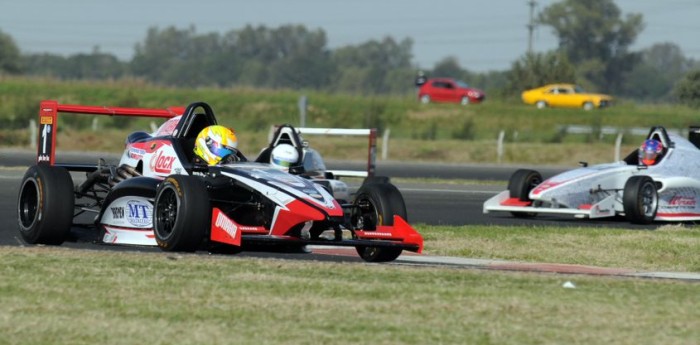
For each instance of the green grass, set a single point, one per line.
(435, 132)
(58, 296)
(668, 248)
(61, 295)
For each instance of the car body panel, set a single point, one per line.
(450, 90)
(565, 95)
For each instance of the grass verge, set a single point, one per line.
(668, 248)
(58, 295)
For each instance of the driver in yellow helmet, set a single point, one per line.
(217, 145)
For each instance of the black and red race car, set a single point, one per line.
(159, 195)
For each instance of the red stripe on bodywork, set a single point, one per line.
(672, 215)
(585, 207)
(515, 202)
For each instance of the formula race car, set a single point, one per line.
(668, 190)
(160, 195)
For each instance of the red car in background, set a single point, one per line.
(449, 90)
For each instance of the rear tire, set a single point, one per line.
(640, 200)
(519, 186)
(181, 214)
(588, 106)
(45, 205)
(425, 99)
(376, 204)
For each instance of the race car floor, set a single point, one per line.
(413, 258)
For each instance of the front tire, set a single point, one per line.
(45, 205)
(375, 205)
(588, 106)
(425, 99)
(640, 200)
(465, 100)
(181, 214)
(541, 104)
(519, 186)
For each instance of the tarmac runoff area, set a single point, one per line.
(499, 265)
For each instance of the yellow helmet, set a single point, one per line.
(214, 143)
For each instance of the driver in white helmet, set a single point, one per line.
(284, 156)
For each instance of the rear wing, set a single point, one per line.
(370, 133)
(48, 122)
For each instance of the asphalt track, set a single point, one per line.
(427, 203)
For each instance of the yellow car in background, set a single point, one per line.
(565, 95)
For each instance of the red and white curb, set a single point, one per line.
(501, 265)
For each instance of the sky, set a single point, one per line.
(483, 35)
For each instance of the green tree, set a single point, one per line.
(10, 59)
(365, 68)
(688, 89)
(537, 69)
(174, 56)
(661, 67)
(593, 36)
(448, 68)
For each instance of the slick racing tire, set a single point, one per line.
(45, 205)
(519, 186)
(376, 204)
(181, 214)
(640, 200)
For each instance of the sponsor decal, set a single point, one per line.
(162, 163)
(43, 158)
(136, 153)
(117, 212)
(378, 234)
(226, 224)
(679, 200)
(46, 120)
(139, 213)
(223, 229)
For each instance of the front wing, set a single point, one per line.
(400, 235)
(502, 202)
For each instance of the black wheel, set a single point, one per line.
(520, 184)
(181, 214)
(376, 204)
(45, 205)
(640, 200)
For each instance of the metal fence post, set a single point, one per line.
(499, 146)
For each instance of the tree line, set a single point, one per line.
(594, 51)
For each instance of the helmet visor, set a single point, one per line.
(280, 162)
(221, 151)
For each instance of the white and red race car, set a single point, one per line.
(666, 191)
(159, 195)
